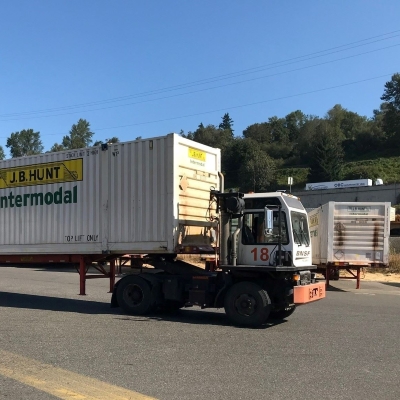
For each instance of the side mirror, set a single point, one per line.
(269, 221)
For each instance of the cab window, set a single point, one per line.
(253, 229)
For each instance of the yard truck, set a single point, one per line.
(159, 200)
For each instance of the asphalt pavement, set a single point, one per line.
(346, 346)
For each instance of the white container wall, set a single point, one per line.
(141, 196)
(356, 233)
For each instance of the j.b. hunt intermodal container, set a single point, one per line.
(143, 196)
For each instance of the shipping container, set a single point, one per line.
(350, 234)
(143, 196)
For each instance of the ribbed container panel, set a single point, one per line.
(141, 196)
(50, 204)
(130, 197)
(356, 233)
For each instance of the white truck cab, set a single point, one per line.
(287, 235)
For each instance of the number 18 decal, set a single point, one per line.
(263, 256)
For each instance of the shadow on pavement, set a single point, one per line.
(52, 267)
(198, 317)
(395, 284)
(35, 302)
(331, 288)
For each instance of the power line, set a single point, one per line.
(253, 70)
(205, 89)
(232, 107)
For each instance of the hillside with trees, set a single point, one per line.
(340, 145)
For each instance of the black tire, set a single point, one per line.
(135, 296)
(247, 304)
(282, 314)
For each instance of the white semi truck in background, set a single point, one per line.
(159, 198)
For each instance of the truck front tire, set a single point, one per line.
(135, 296)
(247, 304)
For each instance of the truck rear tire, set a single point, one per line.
(247, 304)
(282, 314)
(135, 296)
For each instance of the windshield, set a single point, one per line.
(300, 228)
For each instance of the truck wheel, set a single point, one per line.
(282, 314)
(135, 296)
(247, 304)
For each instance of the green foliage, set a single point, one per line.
(299, 175)
(328, 153)
(80, 136)
(227, 123)
(114, 139)
(2, 155)
(24, 143)
(257, 171)
(391, 115)
(388, 169)
(211, 136)
(56, 147)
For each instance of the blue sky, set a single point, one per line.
(148, 68)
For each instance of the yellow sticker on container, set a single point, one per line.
(197, 154)
(42, 174)
(314, 220)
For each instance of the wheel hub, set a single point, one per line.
(133, 295)
(245, 304)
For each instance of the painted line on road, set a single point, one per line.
(368, 294)
(61, 383)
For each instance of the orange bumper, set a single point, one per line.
(308, 293)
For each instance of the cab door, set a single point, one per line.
(255, 246)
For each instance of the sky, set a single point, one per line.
(148, 68)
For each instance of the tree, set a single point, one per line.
(2, 155)
(349, 123)
(260, 132)
(328, 156)
(211, 136)
(24, 143)
(391, 117)
(294, 122)
(80, 136)
(226, 123)
(256, 167)
(56, 147)
(114, 139)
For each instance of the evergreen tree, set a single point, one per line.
(80, 136)
(227, 123)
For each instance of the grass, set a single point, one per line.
(388, 169)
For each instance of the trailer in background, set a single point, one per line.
(349, 236)
(340, 184)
